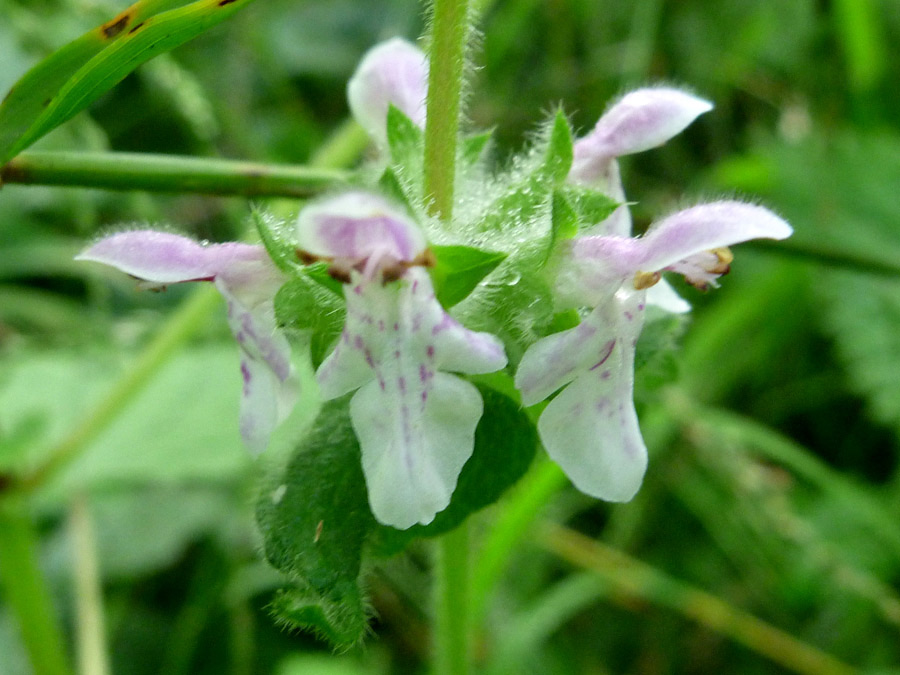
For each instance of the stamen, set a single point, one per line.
(724, 258)
(644, 280)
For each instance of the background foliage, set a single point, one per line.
(773, 430)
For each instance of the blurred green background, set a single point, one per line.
(773, 429)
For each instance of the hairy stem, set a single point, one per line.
(449, 35)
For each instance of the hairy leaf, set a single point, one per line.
(459, 269)
(314, 519)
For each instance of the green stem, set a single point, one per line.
(166, 173)
(449, 35)
(451, 656)
(26, 592)
(90, 630)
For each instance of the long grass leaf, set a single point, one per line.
(135, 45)
(28, 98)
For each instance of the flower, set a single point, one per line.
(415, 423)
(247, 279)
(391, 73)
(590, 429)
(640, 120)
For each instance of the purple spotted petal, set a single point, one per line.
(591, 429)
(248, 281)
(640, 120)
(269, 387)
(415, 424)
(359, 227)
(393, 72)
(413, 451)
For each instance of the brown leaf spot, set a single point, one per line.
(116, 26)
(222, 3)
(136, 27)
(8, 94)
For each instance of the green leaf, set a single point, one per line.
(194, 397)
(406, 142)
(392, 188)
(306, 304)
(517, 212)
(276, 236)
(131, 47)
(560, 149)
(591, 206)
(459, 269)
(405, 139)
(505, 443)
(341, 622)
(564, 218)
(28, 98)
(314, 519)
(474, 146)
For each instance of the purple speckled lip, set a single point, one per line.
(409, 413)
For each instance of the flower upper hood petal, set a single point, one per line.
(640, 120)
(706, 227)
(359, 226)
(165, 258)
(393, 72)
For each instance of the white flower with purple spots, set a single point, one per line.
(414, 421)
(590, 429)
(248, 280)
(391, 73)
